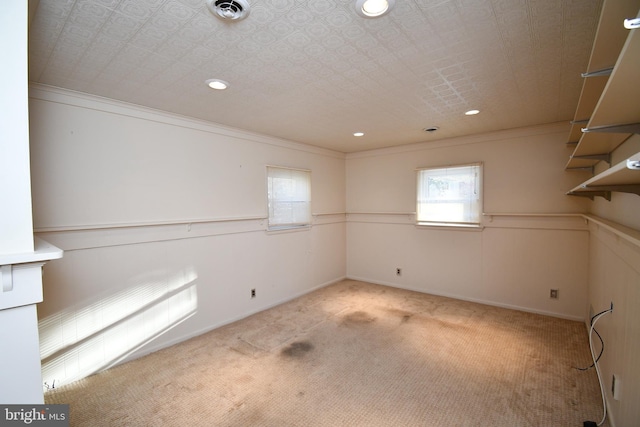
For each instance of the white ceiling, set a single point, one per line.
(315, 72)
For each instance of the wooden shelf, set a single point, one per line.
(619, 103)
(594, 147)
(611, 34)
(592, 88)
(608, 104)
(623, 177)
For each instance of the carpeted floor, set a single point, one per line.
(355, 354)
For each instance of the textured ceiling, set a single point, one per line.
(315, 72)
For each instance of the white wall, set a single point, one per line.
(514, 261)
(614, 277)
(162, 223)
(105, 163)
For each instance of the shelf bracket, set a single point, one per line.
(592, 194)
(582, 168)
(626, 128)
(579, 122)
(606, 157)
(603, 72)
(620, 188)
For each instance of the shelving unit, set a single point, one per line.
(608, 111)
(623, 177)
(606, 98)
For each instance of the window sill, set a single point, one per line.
(288, 229)
(449, 226)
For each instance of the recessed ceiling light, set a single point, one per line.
(431, 129)
(217, 84)
(373, 8)
(472, 112)
(358, 134)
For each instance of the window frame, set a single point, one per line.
(280, 226)
(452, 223)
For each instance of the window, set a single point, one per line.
(450, 195)
(289, 197)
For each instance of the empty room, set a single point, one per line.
(320, 213)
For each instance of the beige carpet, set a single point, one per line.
(355, 354)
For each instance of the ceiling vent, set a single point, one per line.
(229, 10)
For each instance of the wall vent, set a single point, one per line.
(229, 10)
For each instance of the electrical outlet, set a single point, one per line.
(553, 293)
(253, 293)
(398, 272)
(615, 387)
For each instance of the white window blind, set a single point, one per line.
(450, 195)
(289, 197)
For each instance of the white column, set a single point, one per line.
(16, 229)
(20, 259)
(20, 369)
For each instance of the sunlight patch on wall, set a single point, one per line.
(78, 342)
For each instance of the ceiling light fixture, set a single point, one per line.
(472, 112)
(431, 129)
(358, 134)
(229, 10)
(373, 8)
(217, 84)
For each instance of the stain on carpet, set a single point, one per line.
(297, 349)
(357, 318)
(404, 315)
